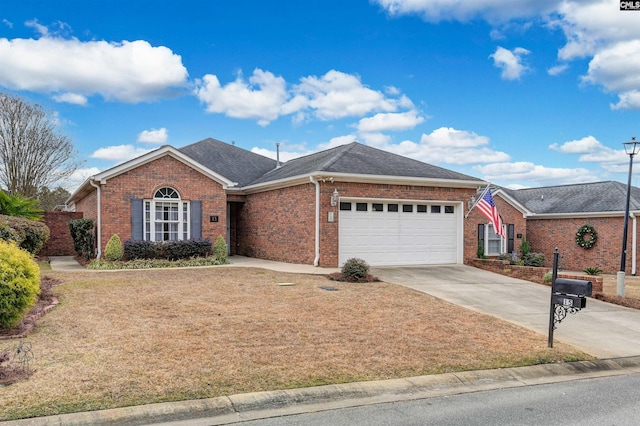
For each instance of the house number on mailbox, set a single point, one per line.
(213, 218)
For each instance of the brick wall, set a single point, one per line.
(531, 273)
(60, 242)
(278, 225)
(143, 182)
(547, 234)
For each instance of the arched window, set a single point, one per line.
(166, 216)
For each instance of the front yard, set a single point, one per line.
(136, 337)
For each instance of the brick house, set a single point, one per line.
(321, 209)
(550, 217)
(352, 200)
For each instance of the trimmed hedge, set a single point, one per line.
(169, 250)
(30, 235)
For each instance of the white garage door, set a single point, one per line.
(399, 233)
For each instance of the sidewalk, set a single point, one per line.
(260, 405)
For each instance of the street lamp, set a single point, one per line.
(631, 149)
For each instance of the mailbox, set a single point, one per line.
(570, 286)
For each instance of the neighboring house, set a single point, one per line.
(348, 201)
(321, 209)
(550, 217)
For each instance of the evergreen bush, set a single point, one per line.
(139, 249)
(533, 259)
(355, 269)
(220, 250)
(30, 235)
(113, 250)
(83, 237)
(19, 283)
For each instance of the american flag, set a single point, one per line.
(487, 207)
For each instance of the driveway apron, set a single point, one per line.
(601, 329)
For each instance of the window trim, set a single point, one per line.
(169, 198)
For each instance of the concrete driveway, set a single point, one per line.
(601, 329)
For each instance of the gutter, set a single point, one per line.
(313, 180)
(99, 218)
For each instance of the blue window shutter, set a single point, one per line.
(137, 219)
(196, 219)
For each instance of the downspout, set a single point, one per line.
(316, 261)
(634, 243)
(98, 219)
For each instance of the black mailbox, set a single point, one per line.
(570, 286)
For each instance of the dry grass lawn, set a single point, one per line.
(136, 337)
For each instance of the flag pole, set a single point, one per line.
(478, 200)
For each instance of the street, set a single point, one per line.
(600, 401)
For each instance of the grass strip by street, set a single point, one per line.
(136, 337)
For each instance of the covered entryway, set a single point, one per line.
(396, 232)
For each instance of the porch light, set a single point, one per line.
(334, 198)
(631, 149)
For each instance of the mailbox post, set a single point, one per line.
(568, 296)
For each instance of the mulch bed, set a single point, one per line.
(47, 300)
(12, 372)
(337, 276)
(622, 301)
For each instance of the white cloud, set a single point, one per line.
(590, 150)
(7, 23)
(338, 95)
(337, 141)
(129, 71)
(390, 122)
(40, 29)
(510, 62)
(617, 68)
(155, 136)
(71, 98)
(451, 146)
(449, 10)
(579, 146)
(265, 97)
(557, 69)
(525, 171)
(72, 182)
(119, 153)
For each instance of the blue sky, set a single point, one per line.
(522, 93)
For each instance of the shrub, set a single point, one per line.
(480, 250)
(19, 206)
(83, 237)
(355, 268)
(533, 259)
(547, 278)
(220, 250)
(188, 249)
(592, 270)
(170, 250)
(138, 249)
(113, 250)
(30, 235)
(19, 283)
(525, 247)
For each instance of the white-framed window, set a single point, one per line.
(494, 245)
(166, 217)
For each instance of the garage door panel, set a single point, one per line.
(399, 238)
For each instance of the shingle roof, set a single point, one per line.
(595, 197)
(356, 158)
(232, 162)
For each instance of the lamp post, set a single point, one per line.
(631, 149)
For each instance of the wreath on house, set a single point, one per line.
(586, 237)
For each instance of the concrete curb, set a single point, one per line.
(256, 405)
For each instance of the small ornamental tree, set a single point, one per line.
(114, 251)
(82, 236)
(19, 283)
(355, 269)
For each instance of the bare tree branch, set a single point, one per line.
(33, 153)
